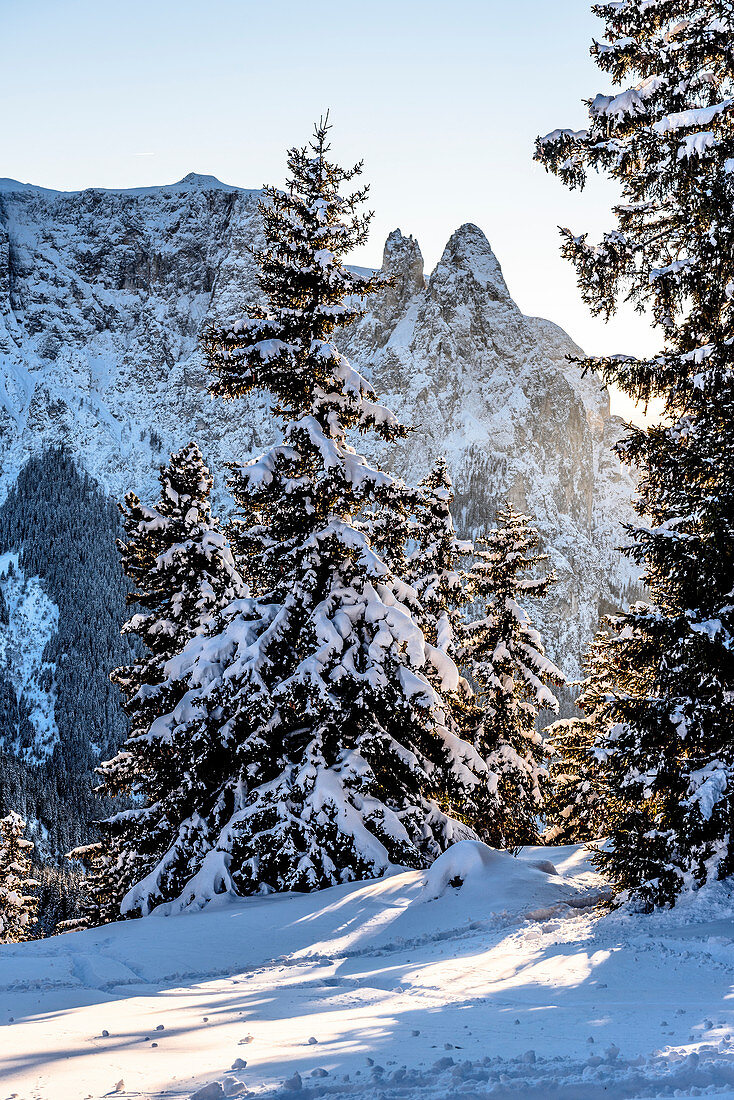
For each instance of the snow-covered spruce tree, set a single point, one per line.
(17, 885)
(668, 140)
(183, 574)
(346, 753)
(579, 805)
(433, 569)
(178, 561)
(502, 654)
(433, 566)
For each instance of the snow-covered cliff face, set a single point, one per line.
(102, 297)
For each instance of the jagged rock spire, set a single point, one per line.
(468, 255)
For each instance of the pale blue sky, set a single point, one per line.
(442, 99)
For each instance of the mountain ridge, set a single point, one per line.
(191, 181)
(103, 294)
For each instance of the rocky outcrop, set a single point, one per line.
(102, 297)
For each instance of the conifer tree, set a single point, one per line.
(183, 575)
(433, 569)
(17, 901)
(503, 655)
(580, 805)
(345, 762)
(668, 140)
(177, 559)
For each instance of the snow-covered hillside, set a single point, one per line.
(29, 620)
(486, 976)
(102, 296)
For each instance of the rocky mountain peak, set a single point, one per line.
(403, 262)
(194, 181)
(402, 258)
(468, 257)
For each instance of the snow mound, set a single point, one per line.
(498, 878)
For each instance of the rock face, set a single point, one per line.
(102, 297)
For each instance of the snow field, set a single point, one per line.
(413, 985)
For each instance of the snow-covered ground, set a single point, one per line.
(508, 985)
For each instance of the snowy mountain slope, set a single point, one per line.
(485, 977)
(31, 620)
(62, 599)
(102, 296)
